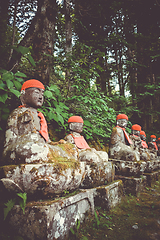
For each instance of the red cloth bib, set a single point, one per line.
(144, 144)
(155, 145)
(126, 135)
(81, 142)
(44, 129)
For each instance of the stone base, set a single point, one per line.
(136, 169)
(152, 178)
(48, 220)
(132, 185)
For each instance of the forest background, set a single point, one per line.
(96, 59)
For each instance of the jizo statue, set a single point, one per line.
(135, 136)
(34, 163)
(152, 145)
(121, 146)
(85, 152)
(158, 145)
(143, 138)
(137, 141)
(98, 170)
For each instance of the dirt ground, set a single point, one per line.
(136, 218)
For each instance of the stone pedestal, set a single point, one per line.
(132, 185)
(48, 219)
(152, 178)
(136, 175)
(136, 169)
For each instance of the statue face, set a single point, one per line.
(122, 123)
(135, 132)
(143, 137)
(153, 139)
(76, 127)
(33, 97)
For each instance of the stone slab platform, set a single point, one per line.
(136, 169)
(53, 219)
(132, 185)
(152, 178)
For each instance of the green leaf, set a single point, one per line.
(6, 110)
(23, 200)
(48, 94)
(3, 97)
(51, 115)
(72, 231)
(60, 118)
(17, 84)
(15, 92)
(7, 76)
(87, 123)
(9, 84)
(20, 74)
(30, 58)
(9, 205)
(23, 50)
(78, 224)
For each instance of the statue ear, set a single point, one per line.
(71, 127)
(22, 99)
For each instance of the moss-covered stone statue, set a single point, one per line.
(31, 162)
(85, 152)
(97, 161)
(152, 146)
(137, 141)
(145, 146)
(121, 146)
(158, 146)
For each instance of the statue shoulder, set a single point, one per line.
(69, 138)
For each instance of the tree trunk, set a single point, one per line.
(68, 46)
(40, 36)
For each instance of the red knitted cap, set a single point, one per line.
(75, 119)
(121, 116)
(32, 83)
(158, 139)
(136, 127)
(153, 136)
(142, 133)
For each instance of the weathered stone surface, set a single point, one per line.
(43, 180)
(97, 174)
(109, 196)
(128, 168)
(132, 185)
(152, 178)
(48, 220)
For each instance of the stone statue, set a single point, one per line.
(31, 162)
(121, 146)
(85, 152)
(145, 146)
(135, 136)
(158, 145)
(143, 138)
(152, 145)
(136, 139)
(96, 161)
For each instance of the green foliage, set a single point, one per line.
(10, 85)
(26, 52)
(9, 205)
(53, 107)
(97, 220)
(75, 231)
(21, 200)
